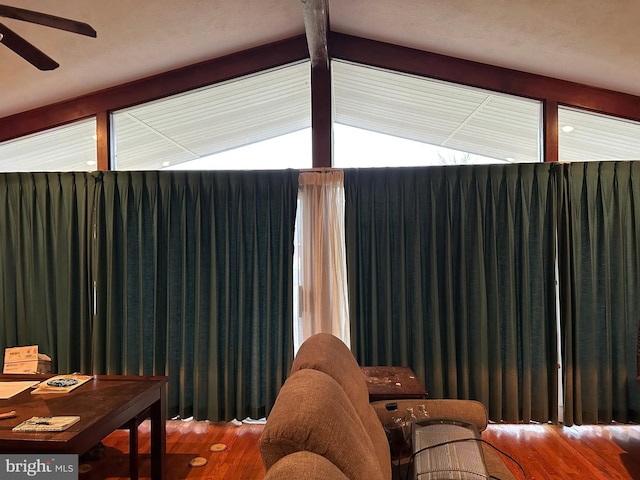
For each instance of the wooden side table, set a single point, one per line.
(392, 383)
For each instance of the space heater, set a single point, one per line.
(447, 449)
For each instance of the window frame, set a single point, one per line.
(551, 92)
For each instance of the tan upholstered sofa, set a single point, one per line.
(322, 425)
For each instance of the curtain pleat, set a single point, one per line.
(451, 272)
(45, 289)
(194, 282)
(600, 280)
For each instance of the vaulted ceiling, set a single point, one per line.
(586, 41)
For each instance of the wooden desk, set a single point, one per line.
(104, 404)
(392, 383)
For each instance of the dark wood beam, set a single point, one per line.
(316, 26)
(466, 72)
(321, 118)
(550, 146)
(103, 140)
(170, 83)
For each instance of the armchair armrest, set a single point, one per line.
(470, 410)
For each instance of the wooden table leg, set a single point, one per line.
(158, 437)
(133, 449)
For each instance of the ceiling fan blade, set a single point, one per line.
(26, 50)
(47, 20)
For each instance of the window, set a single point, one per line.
(68, 148)
(260, 121)
(385, 118)
(585, 136)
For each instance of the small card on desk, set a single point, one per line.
(46, 424)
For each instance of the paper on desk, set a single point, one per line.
(12, 388)
(46, 424)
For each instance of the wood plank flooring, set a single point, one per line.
(545, 451)
(579, 452)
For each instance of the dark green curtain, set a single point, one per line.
(451, 272)
(45, 287)
(599, 239)
(194, 281)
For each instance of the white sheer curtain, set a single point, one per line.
(320, 269)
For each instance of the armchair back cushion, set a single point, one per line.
(313, 413)
(326, 353)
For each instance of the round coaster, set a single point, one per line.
(84, 468)
(218, 447)
(198, 462)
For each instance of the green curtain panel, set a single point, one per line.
(45, 288)
(451, 272)
(599, 239)
(194, 281)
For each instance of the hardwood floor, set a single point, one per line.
(579, 452)
(545, 451)
(186, 440)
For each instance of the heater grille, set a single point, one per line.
(447, 450)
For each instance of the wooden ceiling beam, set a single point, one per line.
(316, 26)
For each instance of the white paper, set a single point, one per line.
(12, 388)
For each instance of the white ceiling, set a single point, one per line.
(587, 41)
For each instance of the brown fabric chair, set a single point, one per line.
(323, 409)
(304, 466)
(327, 353)
(313, 413)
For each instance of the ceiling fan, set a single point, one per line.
(27, 50)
